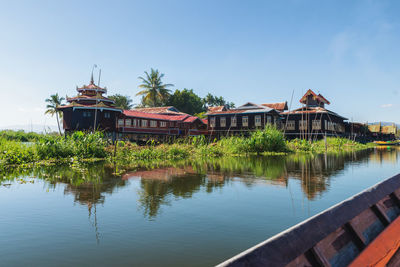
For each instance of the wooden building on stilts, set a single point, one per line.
(312, 120)
(90, 110)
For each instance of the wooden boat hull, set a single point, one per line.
(363, 230)
(387, 143)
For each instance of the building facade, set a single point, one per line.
(312, 120)
(139, 125)
(89, 110)
(241, 120)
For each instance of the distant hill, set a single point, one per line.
(37, 128)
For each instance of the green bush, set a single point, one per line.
(12, 152)
(268, 140)
(79, 144)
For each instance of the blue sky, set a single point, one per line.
(258, 51)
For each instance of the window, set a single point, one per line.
(257, 121)
(316, 125)
(233, 122)
(107, 115)
(245, 121)
(302, 125)
(134, 123)
(269, 119)
(331, 126)
(87, 114)
(128, 122)
(171, 124)
(212, 122)
(163, 124)
(153, 123)
(222, 122)
(144, 123)
(290, 125)
(121, 122)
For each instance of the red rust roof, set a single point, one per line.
(311, 110)
(91, 86)
(326, 100)
(141, 114)
(89, 98)
(229, 111)
(315, 96)
(217, 108)
(278, 106)
(193, 119)
(161, 110)
(99, 106)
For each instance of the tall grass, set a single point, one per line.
(79, 144)
(82, 145)
(333, 144)
(268, 140)
(47, 147)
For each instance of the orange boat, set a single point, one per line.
(363, 230)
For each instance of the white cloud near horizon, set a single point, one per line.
(386, 105)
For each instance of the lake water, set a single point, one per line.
(189, 215)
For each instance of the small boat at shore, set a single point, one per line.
(363, 230)
(388, 143)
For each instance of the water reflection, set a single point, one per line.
(158, 187)
(90, 183)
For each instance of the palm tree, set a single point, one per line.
(53, 103)
(155, 93)
(121, 101)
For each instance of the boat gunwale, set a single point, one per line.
(283, 248)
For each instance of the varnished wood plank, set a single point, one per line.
(381, 250)
(319, 256)
(358, 237)
(380, 212)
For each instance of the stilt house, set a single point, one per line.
(89, 110)
(312, 120)
(243, 119)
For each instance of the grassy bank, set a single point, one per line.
(18, 148)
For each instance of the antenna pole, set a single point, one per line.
(98, 84)
(95, 106)
(95, 112)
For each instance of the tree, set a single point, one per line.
(154, 92)
(53, 103)
(121, 101)
(212, 101)
(186, 101)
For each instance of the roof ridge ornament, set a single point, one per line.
(91, 78)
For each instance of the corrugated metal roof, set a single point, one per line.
(161, 110)
(242, 111)
(315, 96)
(147, 115)
(217, 108)
(311, 110)
(278, 106)
(180, 118)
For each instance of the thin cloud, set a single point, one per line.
(386, 105)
